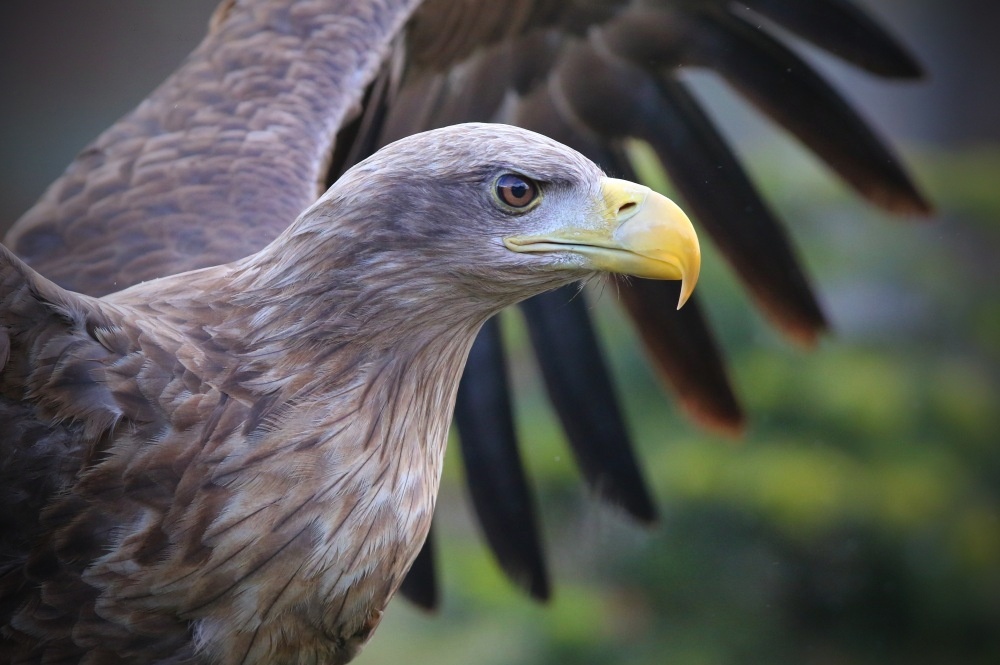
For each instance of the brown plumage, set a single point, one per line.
(283, 95)
(239, 464)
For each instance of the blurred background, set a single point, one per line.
(858, 520)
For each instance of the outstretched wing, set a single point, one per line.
(285, 94)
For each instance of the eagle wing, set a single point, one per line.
(283, 95)
(61, 407)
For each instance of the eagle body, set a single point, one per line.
(272, 497)
(239, 464)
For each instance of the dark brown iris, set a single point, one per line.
(516, 191)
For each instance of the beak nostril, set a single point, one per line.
(627, 208)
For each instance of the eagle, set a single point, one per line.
(238, 464)
(284, 96)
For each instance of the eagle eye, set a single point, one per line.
(516, 191)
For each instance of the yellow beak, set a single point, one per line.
(641, 233)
